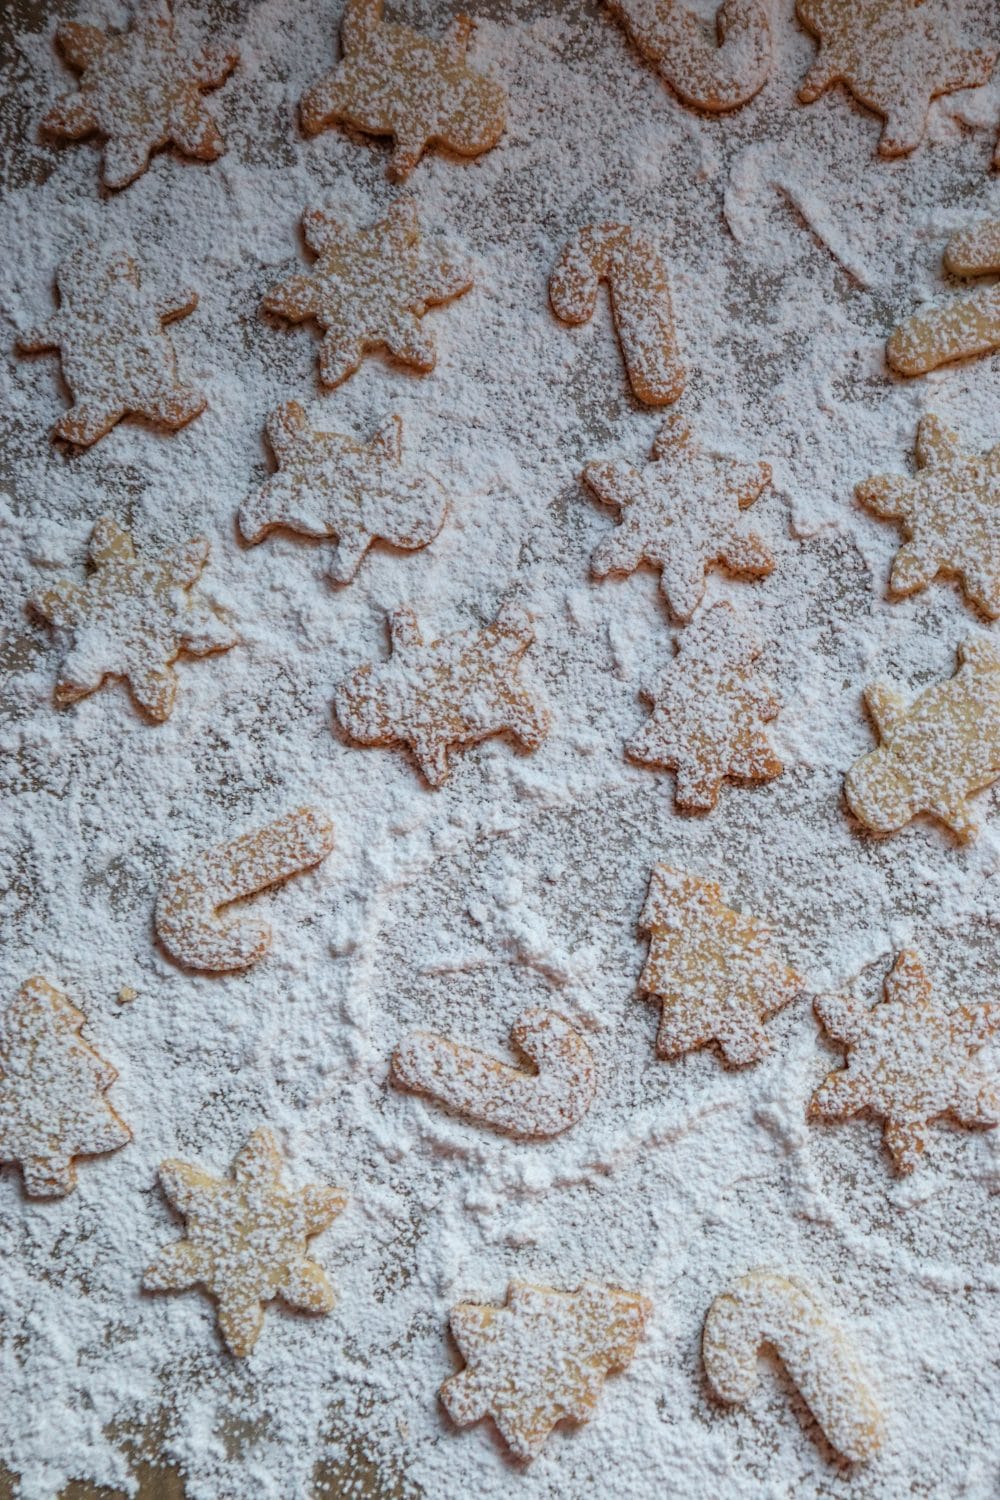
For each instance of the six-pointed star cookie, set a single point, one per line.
(680, 513)
(247, 1240)
(369, 289)
(132, 618)
(911, 1060)
(141, 91)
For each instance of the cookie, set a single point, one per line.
(950, 514)
(52, 1091)
(549, 1097)
(541, 1359)
(707, 708)
(393, 81)
(329, 485)
(764, 1308)
(369, 289)
(717, 974)
(895, 56)
(935, 752)
(639, 287)
(132, 618)
(681, 514)
(116, 359)
(188, 918)
(140, 91)
(440, 695)
(247, 1240)
(713, 67)
(911, 1060)
(962, 327)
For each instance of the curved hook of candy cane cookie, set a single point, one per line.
(766, 1308)
(188, 920)
(965, 326)
(524, 1103)
(639, 285)
(716, 75)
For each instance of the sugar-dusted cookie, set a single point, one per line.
(247, 1240)
(393, 81)
(140, 91)
(710, 67)
(708, 707)
(132, 618)
(438, 695)
(935, 752)
(950, 515)
(963, 326)
(895, 56)
(911, 1060)
(636, 273)
(766, 1308)
(545, 1100)
(116, 358)
(717, 974)
(369, 289)
(328, 485)
(52, 1091)
(680, 513)
(541, 1359)
(188, 919)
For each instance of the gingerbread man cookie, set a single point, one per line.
(714, 72)
(962, 327)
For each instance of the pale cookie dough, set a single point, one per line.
(963, 327)
(714, 67)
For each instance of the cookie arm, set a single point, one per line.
(42, 336)
(177, 303)
(80, 45)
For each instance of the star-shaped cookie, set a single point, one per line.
(910, 1060)
(369, 289)
(680, 513)
(247, 1240)
(141, 91)
(132, 618)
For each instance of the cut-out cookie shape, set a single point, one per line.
(716, 73)
(439, 695)
(328, 485)
(247, 1240)
(707, 712)
(964, 326)
(717, 974)
(132, 618)
(116, 358)
(541, 1359)
(52, 1091)
(935, 752)
(764, 1308)
(393, 81)
(911, 1060)
(188, 918)
(681, 514)
(141, 91)
(639, 286)
(369, 290)
(950, 514)
(895, 56)
(544, 1101)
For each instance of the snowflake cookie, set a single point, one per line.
(962, 327)
(716, 973)
(328, 485)
(438, 695)
(911, 1060)
(895, 56)
(140, 91)
(369, 289)
(707, 712)
(393, 81)
(950, 514)
(540, 1359)
(680, 513)
(714, 72)
(935, 752)
(52, 1091)
(247, 1240)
